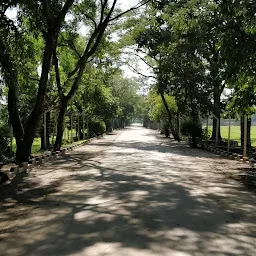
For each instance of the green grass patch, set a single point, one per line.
(235, 133)
(35, 147)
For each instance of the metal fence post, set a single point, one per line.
(229, 129)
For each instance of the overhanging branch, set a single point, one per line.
(137, 72)
(142, 3)
(88, 17)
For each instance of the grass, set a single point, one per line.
(36, 146)
(235, 133)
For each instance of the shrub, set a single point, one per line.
(6, 154)
(193, 130)
(96, 127)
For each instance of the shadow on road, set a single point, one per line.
(136, 200)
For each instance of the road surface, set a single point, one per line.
(132, 193)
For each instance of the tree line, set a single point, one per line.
(201, 53)
(197, 52)
(45, 62)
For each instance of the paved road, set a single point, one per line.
(130, 194)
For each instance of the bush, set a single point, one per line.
(206, 134)
(193, 130)
(96, 127)
(6, 155)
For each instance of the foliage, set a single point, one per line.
(6, 155)
(96, 127)
(193, 129)
(195, 50)
(157, 110)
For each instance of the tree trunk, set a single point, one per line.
(48, 124)
(249, 121)
(170, 117)
(43, 145)
(216, 112)
(60, 125)
(109, 127)
(42, 133)
(14, 116)
(24, 150)
(10, 75)
(193, 132)
(54, 23)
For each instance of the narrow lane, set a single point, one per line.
(130, 194)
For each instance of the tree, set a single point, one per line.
(170, 39)
(101, 17)
(45, 18)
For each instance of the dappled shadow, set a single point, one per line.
(132, 198)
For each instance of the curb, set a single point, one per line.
(231, 156)
(9, 172)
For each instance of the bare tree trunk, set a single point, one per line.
(171, 119)
(60, 125)
(216, 112)
(45, 142)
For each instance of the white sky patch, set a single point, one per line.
(126, 4)
(11, 13)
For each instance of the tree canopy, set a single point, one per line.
(194, 49)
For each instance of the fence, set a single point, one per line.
(232, 136)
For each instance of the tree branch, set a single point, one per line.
(137, 72)
(103, 6)
(129, 10)
(88, 17)
(71, 46)
(64, 10)
(34, 79)
(57, 75)
(144, 61)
